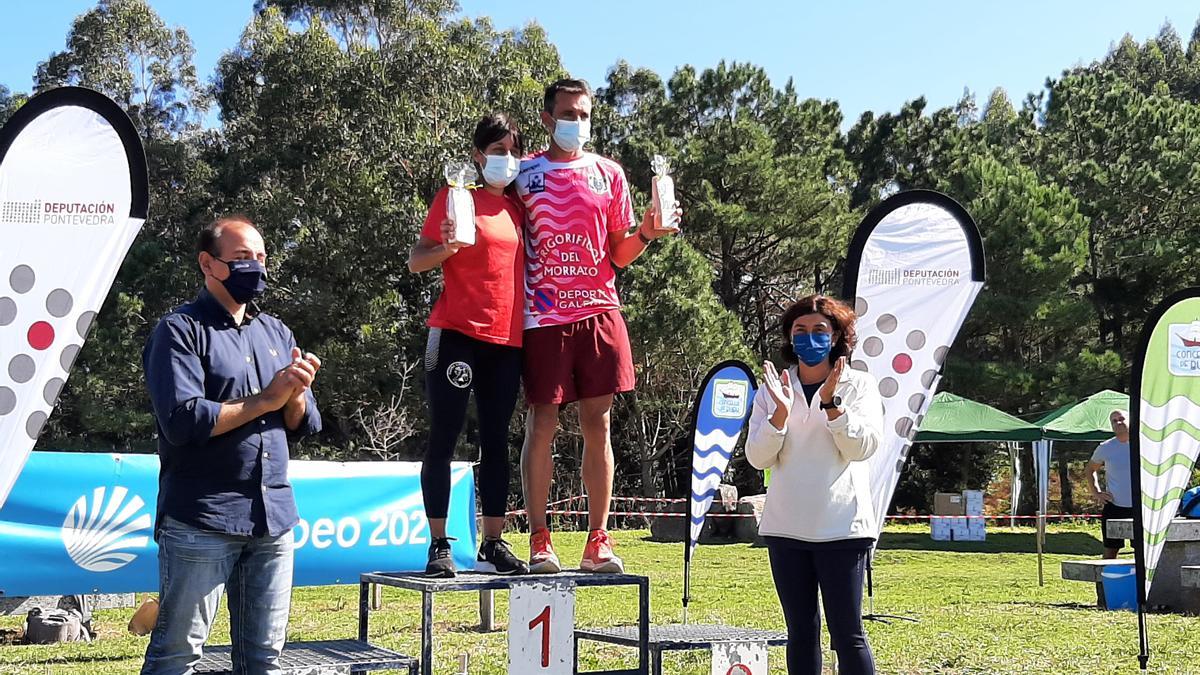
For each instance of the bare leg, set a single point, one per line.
(594, 420)
(537, 463)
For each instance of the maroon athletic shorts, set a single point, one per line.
(585, 359)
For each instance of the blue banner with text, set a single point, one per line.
(78, 523)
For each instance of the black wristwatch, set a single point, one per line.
(835, 402)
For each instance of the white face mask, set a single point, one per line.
(570, 135)
(500, 170)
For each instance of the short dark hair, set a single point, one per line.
(840, 316)
(564, 86)
(210, 234)
(494, 127)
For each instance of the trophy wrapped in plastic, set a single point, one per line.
(663, 187)
(460, 205)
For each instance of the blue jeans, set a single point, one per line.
(194, 567)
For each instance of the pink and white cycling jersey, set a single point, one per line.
(570, 209)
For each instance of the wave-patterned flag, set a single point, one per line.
(73, 195)
(1164, 429)
(914, 269)
(721, 411)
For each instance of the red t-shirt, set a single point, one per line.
(484, 284)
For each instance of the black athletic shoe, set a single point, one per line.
(496, 557)
(441, 563)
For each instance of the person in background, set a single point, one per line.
(1112, 456)
(475, 333)
(814, 426)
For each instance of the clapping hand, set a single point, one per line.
(830, 384)
(781, 392)
(302, 371)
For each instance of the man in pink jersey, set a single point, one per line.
(579, 225)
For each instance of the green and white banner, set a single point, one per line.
(1166, 390)
(1165, 429)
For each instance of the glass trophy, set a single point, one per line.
(664, 192)
(460, 205)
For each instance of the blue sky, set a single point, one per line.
(866, 55)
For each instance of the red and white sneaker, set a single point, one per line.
(542, 559)
(598, 555)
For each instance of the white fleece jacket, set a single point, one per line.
(820, 486)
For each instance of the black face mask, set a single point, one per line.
(247, 280)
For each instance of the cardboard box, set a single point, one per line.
(939, 528)
(949, 504)
(961, 528)
(974, 502)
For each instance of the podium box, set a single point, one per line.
(474, 581)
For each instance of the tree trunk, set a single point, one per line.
(645, 451)
(1064, 482)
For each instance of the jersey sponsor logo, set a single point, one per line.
(536, 183)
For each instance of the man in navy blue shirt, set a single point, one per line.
(228, 386)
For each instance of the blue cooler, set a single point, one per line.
(1120, 587)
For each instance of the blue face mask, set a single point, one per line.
(812, 348)
(247, 280)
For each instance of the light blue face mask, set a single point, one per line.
(500, 170)
(570, 135)
(812, 348)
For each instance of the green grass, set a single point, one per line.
(979, 604)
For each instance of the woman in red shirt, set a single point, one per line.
(475, 343)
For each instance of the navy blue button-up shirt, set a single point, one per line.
(236, 483)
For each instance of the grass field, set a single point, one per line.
(979, 604)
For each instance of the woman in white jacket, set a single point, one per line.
(814, 426)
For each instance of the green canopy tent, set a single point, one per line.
(952, 418)
(1083, 420)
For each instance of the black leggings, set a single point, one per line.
(455, 365)
(839, 574)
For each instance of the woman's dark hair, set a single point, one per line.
(494, 127)
(840, 316)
